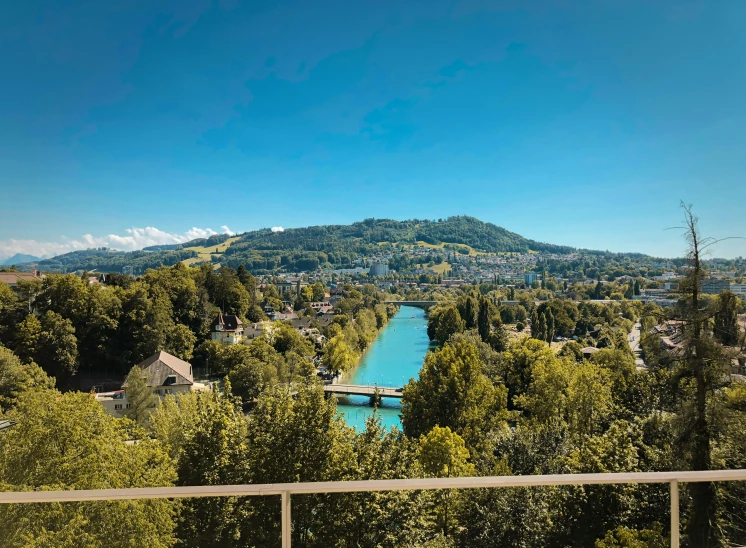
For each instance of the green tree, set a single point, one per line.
(316, 446)
(622, 537)
(67, 441)
(214, 452)
(140, 397)
(27, 338)
(443, 454)
(57, 348)
(180, 342)
(248, 379)
(483, 319)
(449, 322)
(726, 329)
(453, 391)
(338, 357)
(16, 378)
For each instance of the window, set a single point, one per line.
(167, 391)
(129, 405)
(118, 406)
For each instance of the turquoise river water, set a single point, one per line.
(394, 357)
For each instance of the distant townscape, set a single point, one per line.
(233, 360)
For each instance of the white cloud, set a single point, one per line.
(278, 229)
(135, 238)
(227, 230)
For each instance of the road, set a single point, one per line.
(634, 343)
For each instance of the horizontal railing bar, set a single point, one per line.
(368, 485)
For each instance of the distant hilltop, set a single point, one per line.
(20, 258)
(306, 249)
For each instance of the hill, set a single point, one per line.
(303, 249)
(20, 258)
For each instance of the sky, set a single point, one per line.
(126, 124)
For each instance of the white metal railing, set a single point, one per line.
(285, 490)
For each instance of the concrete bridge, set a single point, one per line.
(358, 390)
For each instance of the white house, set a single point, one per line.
(227, 329)
(165, 374)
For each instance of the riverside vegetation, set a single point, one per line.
(484, 404)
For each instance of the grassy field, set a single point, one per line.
(441, 245)
(442, 267)
(206, 253)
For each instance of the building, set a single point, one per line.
(738, 289)
(530, 277)
(227, 329)
(165, 374)
(290, 285)
(715, 287)
(379, 269)
(588, 351)
(12, 278)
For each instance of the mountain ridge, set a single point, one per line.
(308, 248)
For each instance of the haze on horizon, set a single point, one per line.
(581, 124)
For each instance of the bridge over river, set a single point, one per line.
(418, 304)
(360, 390)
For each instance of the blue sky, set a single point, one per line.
(578, 123)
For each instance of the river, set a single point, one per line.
(393, 358)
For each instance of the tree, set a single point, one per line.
(247, 379)
(701, 366)
(443, 454)
(315, 446)
(726, 327)
(66, 442)
(338, 356)
(470, 311)
(453, 391)
(180, 342)
(483, 319)
(16, 378)
(57, 348)
(550, 326)
(214, 453)
(637, 287)
(448, 322)
(140, 397)
(27, 338)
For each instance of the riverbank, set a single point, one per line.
(395, 356)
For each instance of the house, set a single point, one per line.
(165, 374)
(227, 329)
(12, 278)
(588, 351)
(290, 285)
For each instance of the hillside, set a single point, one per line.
(19, 258)
(308, 248)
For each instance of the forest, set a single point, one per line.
(490, 400)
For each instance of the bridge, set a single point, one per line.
(358, 390)
(418, 304)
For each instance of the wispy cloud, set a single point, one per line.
(135, 238)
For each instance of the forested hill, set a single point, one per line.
(306, 248)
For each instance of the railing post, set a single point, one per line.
(286, 519)
(674, 514)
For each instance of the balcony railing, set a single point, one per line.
(285, 490)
